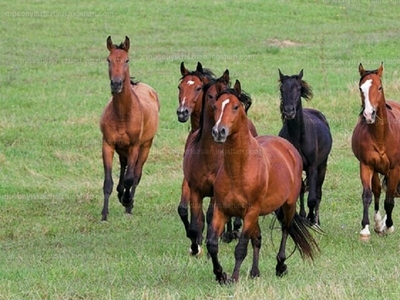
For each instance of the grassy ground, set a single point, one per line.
(54, 86)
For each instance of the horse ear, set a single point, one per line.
(199, 67)
(281, 76)
(380, 69)
(219, 87)
(110, 44)
(225, 77)
(184, 71)
(300, 74)
(361, 69)
(127, 43)
(237, 87)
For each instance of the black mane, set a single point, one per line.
(206, 73)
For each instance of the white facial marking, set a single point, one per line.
(224, 103)
(182, 105)
(368, 107)
(190, 82)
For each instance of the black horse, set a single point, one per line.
(308, 130)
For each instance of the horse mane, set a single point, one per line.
(368, 72)
(244, 97)
(134, 81)
(206, 73)
(120, 47)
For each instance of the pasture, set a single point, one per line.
(54, 85)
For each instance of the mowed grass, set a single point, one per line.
(54, 85)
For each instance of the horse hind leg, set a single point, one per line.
(281, 268)
(303, 213)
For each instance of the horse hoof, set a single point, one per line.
(128, 214)
(199, 252)
(365, 233)
(365, 237)
(281, 270)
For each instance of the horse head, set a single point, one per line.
(190, 90)
(292, 89)
(371, 91)
(118, 67)
(227, 111)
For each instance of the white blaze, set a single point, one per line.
(368, 107)
(224, 103)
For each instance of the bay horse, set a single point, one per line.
(258, 176)
(308, 130)
(129, 123)
(376, 144)
(190, 94)
(201, 162)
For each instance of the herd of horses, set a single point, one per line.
(247, 175)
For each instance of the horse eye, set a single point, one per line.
(108, 60)
(380, 88)
(236, 107)
(127, 60)
(198, 89)
(214, 107)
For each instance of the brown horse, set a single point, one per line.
(258, 176)
(190, 94)
(376, 144)
(129, 123)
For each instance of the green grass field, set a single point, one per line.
(54, 85)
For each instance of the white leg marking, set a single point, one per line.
(224, 103)
(378, 221)
(365, 232)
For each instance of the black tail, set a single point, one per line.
(301, 236)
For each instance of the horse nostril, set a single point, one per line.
(223, 132)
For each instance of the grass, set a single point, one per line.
(54, 86)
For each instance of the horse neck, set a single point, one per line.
(195, 115)
(239, 148)
(380, 128)
(122, 102)
(296, 127)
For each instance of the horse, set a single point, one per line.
(258, 176)
(376, 145)
(200, 164)
(190, 94)
(308, 130)
(128, 124)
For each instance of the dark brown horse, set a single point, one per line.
(376, 144)
(258, 176)
(308, 130)
(128, 124)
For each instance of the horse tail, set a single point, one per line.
(301, 235)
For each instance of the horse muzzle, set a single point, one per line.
(116, 86)
(289, 112)
(219, 134)
(183, 115)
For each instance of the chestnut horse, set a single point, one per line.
(376, 144)
(258, 176)
(308, 130)
(129, 123)
(201, 162)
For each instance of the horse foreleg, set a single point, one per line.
(183, 205)
(312, 195)
(376, 190)
(213, 233)
(251, 230)
(392, 183)
(197, 223)
(108, 154)
(120, 186)
(318, 189)
(366, 174)
(132, 159)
